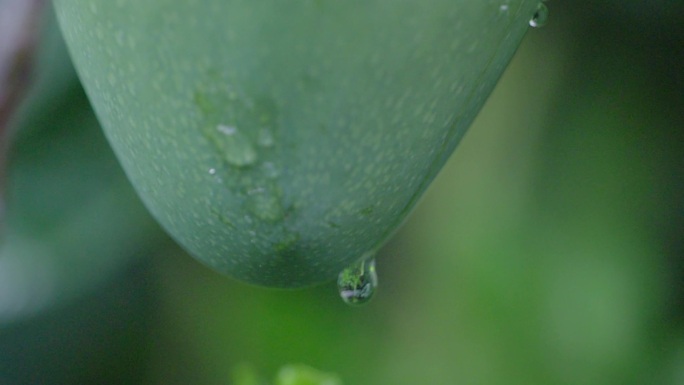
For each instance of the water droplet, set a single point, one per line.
(235, 147)
(265, 138)
(540, 17)
(357, 283)
(265, 203)
(212, 171)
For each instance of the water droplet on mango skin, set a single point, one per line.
(235, 147)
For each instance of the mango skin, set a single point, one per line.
(279, 141)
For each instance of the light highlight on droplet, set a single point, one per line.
(540, 17)
(235, 147)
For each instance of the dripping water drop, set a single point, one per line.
(357, 283)
(541, 16)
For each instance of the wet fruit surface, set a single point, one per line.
(279, 141)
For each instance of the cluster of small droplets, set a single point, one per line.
(541, 15)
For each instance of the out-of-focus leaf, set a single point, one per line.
(72, 220)
(101, 338)
(304, 375)
(245, 374)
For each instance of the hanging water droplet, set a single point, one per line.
(540, 17)
(357, 283)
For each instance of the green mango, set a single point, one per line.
(279, 141)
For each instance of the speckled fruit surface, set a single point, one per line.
(278, 141)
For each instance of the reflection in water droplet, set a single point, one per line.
(235, 147)
(540, 17)
(357, 283)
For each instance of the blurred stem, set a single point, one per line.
(19, 22)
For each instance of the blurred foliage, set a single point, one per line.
(64, 180)
(244, 374)
(548, 251)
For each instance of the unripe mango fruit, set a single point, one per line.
(279, 141)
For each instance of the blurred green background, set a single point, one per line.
(550, 249)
